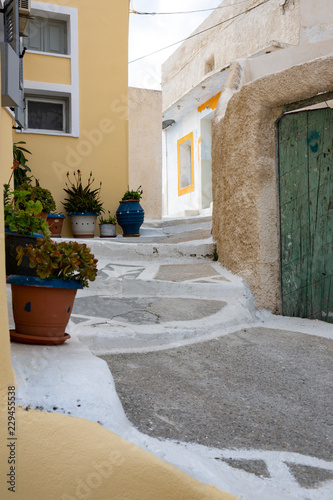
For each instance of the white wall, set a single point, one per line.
(189, 203)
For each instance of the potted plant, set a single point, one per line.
(42, 305)
(41, 194)
(83, 205)
(22, 226)
(130, 214)
(55, 221)
(108, 226)
(20, 167)
(53, 218)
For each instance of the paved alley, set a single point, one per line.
(233, 396)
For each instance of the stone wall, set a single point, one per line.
(145, 147)
(245, 192)
(242, 36)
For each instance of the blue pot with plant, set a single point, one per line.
(130, 214)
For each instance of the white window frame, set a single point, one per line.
(70, 14)
(49, 18)
(59, 100)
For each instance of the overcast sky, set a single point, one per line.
(150, 33)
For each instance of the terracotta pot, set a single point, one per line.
(55, 222)
(43, 215)
(83, 224)
(42, 307)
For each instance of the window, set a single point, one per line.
(185, 164)
(47, 114)
(47, 35)
(52, 108)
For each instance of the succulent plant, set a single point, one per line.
(67, 260)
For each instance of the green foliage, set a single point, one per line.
(82, 199)
(20, 167)
(67, 260)
(215, 255)
(23, 217)
(41, 194)
(108, 220)
(133, 195)
(6, 195)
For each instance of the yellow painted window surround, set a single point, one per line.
(185, 158)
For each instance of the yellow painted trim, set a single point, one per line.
(211, 103)
(181, 141)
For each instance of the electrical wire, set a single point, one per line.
(200, 32)
(133, 11)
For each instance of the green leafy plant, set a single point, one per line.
(108, 220)
(20, 167)
(133, 194)
(41, 194)
(67, 260)
(7, 198)
(82, 199)
(22, 216)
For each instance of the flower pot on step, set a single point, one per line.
(83, 224)
(108, 230)
(55, 222)
(41, 308)
(130, 216)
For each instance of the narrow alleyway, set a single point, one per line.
(234, 397)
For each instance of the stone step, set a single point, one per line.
(135, 249)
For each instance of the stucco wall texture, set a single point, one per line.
(145, 149)
(240, 37)
(245, 190)
(65, 458)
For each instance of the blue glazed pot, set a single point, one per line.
(48, 283)
(130, 216)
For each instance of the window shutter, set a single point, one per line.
(11, 20)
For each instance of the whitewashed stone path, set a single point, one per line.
(150, 297)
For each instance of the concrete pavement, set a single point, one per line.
(235, 397)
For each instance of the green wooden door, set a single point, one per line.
(305, 152)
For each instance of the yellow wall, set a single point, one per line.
(6, 371)
(65, 458)
(45, 68)
(102, 144)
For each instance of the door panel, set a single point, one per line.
(306, 213)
